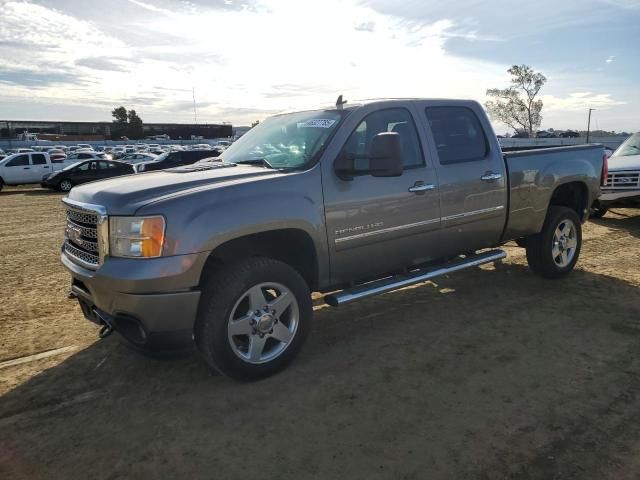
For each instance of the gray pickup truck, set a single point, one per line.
(355, 200)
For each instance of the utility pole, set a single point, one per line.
(589, 123)
(195, 115)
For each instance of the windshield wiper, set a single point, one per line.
(255, 161)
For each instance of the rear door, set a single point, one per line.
(471, 175)
(39, 166)
(17, 170)
(379, 224)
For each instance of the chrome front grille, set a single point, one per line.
(623, 180)
(85, 237)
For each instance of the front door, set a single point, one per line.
(380, 224)
(472, 179)
(17, 170)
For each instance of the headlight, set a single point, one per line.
(136, 236)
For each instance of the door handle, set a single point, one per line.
(27, 168)
(46, 166)
(491, 176)
(421, 187)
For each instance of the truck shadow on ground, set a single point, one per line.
(486, 374)
(620, 219)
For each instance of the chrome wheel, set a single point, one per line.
(565, 242)
(66, 185)
(263, 323)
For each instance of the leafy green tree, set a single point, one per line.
(516, 105)
(127, 124)
(119, 126)
(135, 130)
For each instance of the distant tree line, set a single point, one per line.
(126, 124)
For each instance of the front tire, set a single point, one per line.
(598, 210)
(254, 317)
(554, 251)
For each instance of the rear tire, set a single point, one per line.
(554, 251)
(253, 318)
(65, 185)
(598, 210)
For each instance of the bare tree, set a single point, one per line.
(516, 105)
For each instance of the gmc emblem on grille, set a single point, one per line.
(74, 234)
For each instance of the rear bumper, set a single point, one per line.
(156, 313)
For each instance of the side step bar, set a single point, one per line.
(400, 281)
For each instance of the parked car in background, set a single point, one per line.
(87, 171)
(175, 159)
(365, 199)
(26, 168)
(569, 134)
(57, 155)
(85, 145)
(622, 188)
(135, 158)
(87, 155)
(2, 154)
(545, 134)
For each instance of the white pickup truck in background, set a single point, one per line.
(26, 168)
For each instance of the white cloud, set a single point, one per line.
(243, 62)
(610, 59)
(579, 101)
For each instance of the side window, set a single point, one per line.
(19, 161)
(82, 168)
(390, 120)
(38, 159)
(93, 165)
(458, 134)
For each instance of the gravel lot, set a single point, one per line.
(490, 373)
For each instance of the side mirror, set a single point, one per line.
(385, 155)
(384, 159)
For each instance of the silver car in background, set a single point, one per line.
(622, 187)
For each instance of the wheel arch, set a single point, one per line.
(293, 246)
(574, 195)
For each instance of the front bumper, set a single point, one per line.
(152, 303)
(618, 195)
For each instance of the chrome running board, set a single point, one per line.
(400, 281)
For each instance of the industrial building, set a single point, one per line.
(176, 131)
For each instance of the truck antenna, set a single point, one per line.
(340, 102)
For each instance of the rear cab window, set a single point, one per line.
(458, 134)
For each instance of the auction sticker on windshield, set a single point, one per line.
(317, 123)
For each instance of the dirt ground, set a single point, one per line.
(487, 374)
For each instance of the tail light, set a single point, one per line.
(605, 170)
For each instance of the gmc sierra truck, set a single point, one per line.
(352, 200)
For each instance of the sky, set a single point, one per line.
(244, 60)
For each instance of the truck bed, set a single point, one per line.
(533, 175)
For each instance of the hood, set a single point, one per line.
(125, 195)
(628, 162)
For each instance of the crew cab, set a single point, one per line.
(351, 201)
(622, 187)
(27, 168)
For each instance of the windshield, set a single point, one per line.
(631, 146)
(161, 157)
(285, 141)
